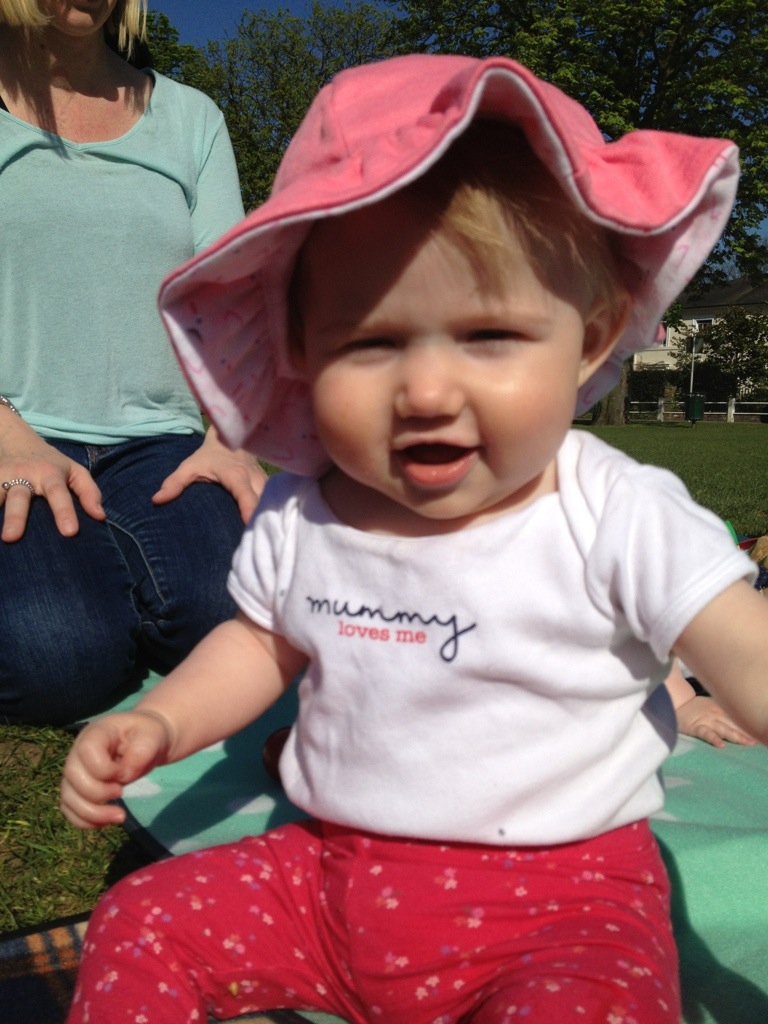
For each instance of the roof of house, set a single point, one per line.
(739, 292)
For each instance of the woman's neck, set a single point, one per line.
(47, 58)
(73, 86)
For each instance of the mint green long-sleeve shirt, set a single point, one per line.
(87, 232)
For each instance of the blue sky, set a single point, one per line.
(197, 21)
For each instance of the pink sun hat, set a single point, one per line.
(370, 132)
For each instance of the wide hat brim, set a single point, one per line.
(369, 133)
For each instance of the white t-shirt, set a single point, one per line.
(490, 685)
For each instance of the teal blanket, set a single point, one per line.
(713, 833)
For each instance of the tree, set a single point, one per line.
(611, 410)
(734, 354)
(182, 61)
(266, 76)
(673, 65)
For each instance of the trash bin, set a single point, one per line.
(694, 407)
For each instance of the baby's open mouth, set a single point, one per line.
(436, 466)
(434, 454)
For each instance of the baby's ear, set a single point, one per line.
(603, 326)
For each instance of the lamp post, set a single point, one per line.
(695, 347)
(694, 406)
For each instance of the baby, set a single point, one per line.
(484, 603)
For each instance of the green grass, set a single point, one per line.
(49, 870)
(723, 465)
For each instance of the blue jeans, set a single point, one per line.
(82, 618)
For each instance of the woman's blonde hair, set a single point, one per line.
(128, 21)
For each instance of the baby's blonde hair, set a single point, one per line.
(128, 21)
(488, 187)
(490, 184)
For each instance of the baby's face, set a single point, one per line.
(441, 402)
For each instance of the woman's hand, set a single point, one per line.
(25, 455)
(107, 755)
(236, 471)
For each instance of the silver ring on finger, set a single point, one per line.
(18, 481)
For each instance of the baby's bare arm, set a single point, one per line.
(725, 648)
(227, 681)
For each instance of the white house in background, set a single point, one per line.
(703, 311)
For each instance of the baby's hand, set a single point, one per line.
(108, 754)
(703, 718)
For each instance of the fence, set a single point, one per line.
(731, 411)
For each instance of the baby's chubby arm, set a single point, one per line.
(228, 680)
(725, 648)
